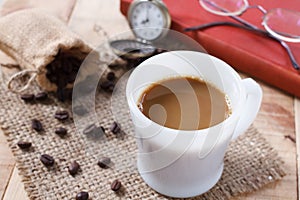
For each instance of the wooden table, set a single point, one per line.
(279, 115)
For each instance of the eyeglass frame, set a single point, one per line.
(248, 26)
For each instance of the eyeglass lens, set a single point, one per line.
(281, 23)
(224, 7)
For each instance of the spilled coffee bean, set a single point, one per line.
(115, 128)
(27, 97)
(42, 96)
(93, 132)
(82, 196)
(110, 76)
(73, 168)
(104, 162)
(107, 86)
(61, 131)
(80, 110)
(116, 185)
(47, 160)
(37, 125)
(61, 115)
(89, 129)
(24, 145)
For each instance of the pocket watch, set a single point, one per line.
(150, 21)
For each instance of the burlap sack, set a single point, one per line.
(35, 39)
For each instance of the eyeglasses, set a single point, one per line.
(280, 24)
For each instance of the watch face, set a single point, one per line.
(148, 19)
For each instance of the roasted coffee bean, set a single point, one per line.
(24, 145)
(115, 128)
(67, 68)
(82, 196)
(75, 62)
(72, 77)
(47, 160)
(42, 96)
(67, 94)
(27, 97)
(116, 185)
(93, 132)
(104, 162)
(60, 94)
(61, 115)
(90, 129)
(110, 76)
(107, 86)
(80, 110)
(73, 168)
(37, 125)
(61, 131)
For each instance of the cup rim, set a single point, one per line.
(134, 108)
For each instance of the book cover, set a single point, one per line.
(253, 54)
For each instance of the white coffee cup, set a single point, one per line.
(186, 163)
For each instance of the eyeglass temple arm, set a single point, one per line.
(250, 28)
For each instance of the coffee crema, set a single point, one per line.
(184, 103)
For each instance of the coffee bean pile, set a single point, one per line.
(62, 71)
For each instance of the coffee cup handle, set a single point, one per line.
(252, 105)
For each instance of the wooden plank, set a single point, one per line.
(297, 127)
(5, 175)
(15, 189)
(61, 9)
(7, 164)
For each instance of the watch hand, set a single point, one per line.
(147, 15)
(147, 18)
(144, 21)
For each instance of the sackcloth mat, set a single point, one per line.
(249, 164)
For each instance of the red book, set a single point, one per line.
(244, 50)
